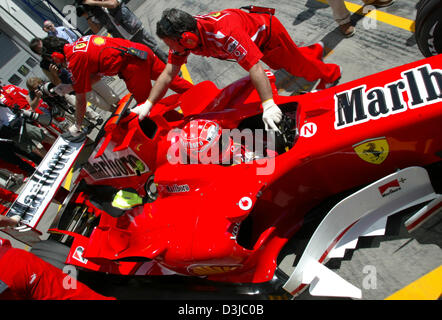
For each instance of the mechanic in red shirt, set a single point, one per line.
(11, 95)
(91, 57)
(23, 275)
(246, 38)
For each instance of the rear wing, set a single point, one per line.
(41, 188)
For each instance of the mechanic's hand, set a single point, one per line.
(271, 115)
(142, 110)
(6, 222)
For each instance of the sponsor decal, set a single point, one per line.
(177, 188)
(78, 255)
(391, 187)
(373, 151)
(82, 44)
(422, 86)
(213, 16)
(99, 41)
(41, 187)
(245, 203)
(115, 164)
(235, 49)
(81, 47)
(308, 130)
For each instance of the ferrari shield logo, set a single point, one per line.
(373, 151)
(80, 45)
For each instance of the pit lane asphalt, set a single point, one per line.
(398, 258)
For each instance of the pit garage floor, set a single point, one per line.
(397, 265)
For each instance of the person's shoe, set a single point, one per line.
(379, 3)
(347, 29)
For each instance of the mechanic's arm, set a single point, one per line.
(80, 110)
(272, 114)
(158, 91)
(111, 4)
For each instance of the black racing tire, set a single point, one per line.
(52, 252)
(429, 27)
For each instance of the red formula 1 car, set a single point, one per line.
(167, 195)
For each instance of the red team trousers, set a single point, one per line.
(281, 52)
(29, 277)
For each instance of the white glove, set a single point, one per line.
(74, 130)
(142, 110)
(271, 115)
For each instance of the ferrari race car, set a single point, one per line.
(200, 189)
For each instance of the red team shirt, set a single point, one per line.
(93, 55)
(101, 56)
(230, 34)
(251, 37)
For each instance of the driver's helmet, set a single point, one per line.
(203, 143)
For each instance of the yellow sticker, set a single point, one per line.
(373, 151)
(99, 41)
(216, 14)
(80, 45)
